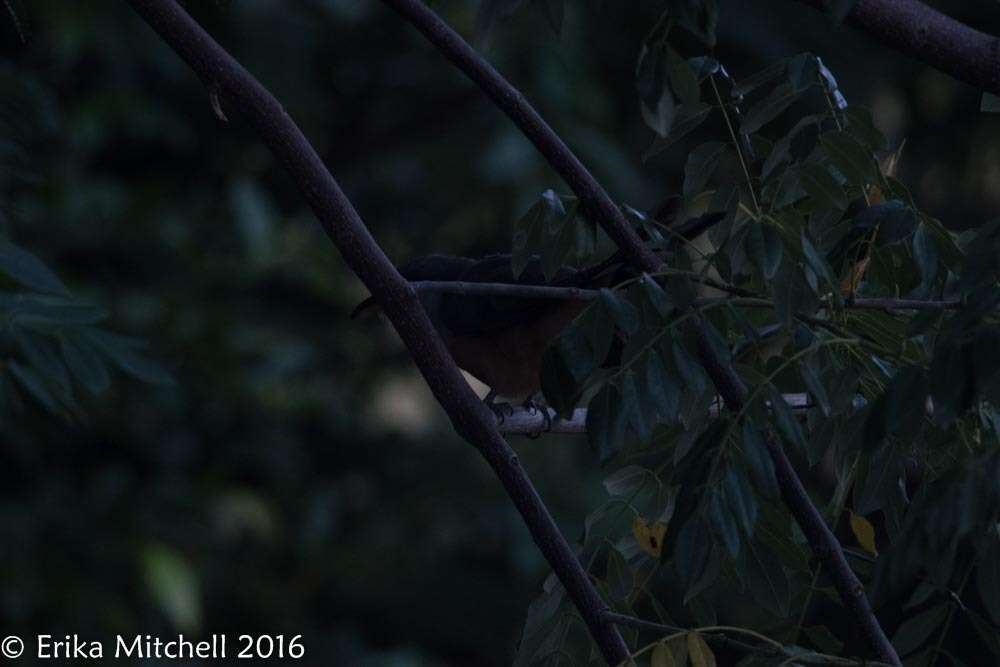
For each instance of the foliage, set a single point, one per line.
(267, 489)
(901, 427)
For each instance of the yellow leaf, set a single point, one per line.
(699, 653)
(864, 532)
(649, 538)
(662, 656)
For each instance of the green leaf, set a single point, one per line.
(657, 297)
(759, 462)
(621, 580)
(701, 164)
(761, 78)
(124, 353)
(822, 187)
(912, 634)
(784, 420)
(625, 481)
(566, 364)
(816, 262)
(810, 376)
(740, 499)
(32, 383)
(687, 119)
(766, 579)
(625, 315)
(853, 160)
(85, 365)
(662, 388)
(724, 523)
(29, 271)
(606, 420)
(694, 543)
(692, 374)
(803, 71)
(862, 126)
(765, 248)
(641, 422)
(769, 108)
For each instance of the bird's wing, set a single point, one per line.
(475, 315)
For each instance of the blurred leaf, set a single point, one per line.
(625, 315)
(124, 353)
(740, 499)
(641, 422)
(173, 585)
(32, 383)
(688, 118)
(29, 271)
(85, 365)
(723, 522)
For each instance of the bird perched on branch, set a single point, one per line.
(500, 339)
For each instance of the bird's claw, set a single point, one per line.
(498, 408)
(533, 406)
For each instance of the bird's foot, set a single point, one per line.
(535, 406)
(501, 409)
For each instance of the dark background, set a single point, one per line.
(298, 477)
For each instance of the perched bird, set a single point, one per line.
(498, 339)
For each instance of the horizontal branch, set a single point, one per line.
(928, 35)
(581, 294)
(532, 421)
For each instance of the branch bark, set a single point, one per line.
(532, 421)
(744, 298)
(224, 76)
(928, 35)
(603, 210)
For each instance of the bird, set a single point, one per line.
(499, 340)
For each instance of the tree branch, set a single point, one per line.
(581, 294)
(599, 206)
(472, 420)
(928, 35)
(532, 421)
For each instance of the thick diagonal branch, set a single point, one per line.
(603, 210)
(929, 36)
(225, 77)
